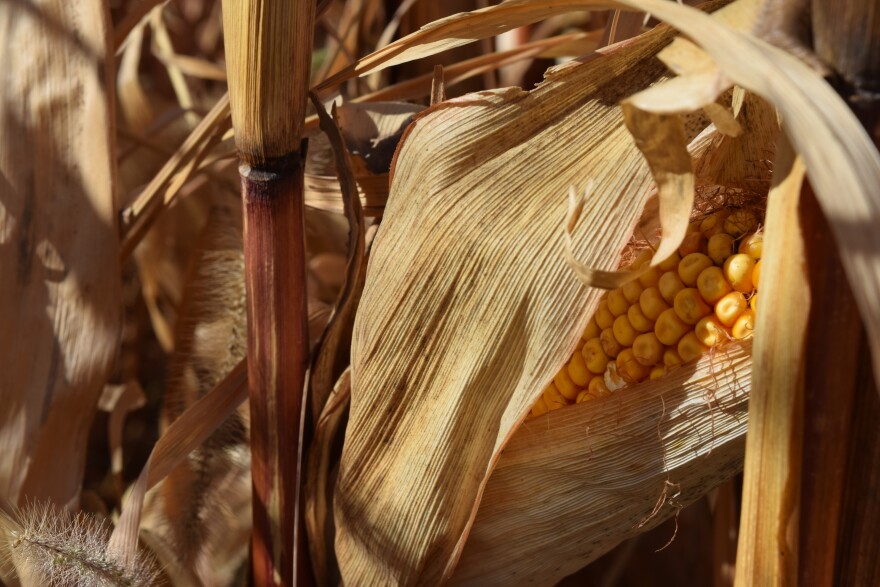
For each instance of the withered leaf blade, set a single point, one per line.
(60, 304)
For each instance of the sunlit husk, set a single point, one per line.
(586, 477)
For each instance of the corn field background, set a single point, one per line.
(304, 293)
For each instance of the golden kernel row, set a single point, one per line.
(701, 296)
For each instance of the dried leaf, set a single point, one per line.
(118, 401)
(60, 305)
(162, 190)
(332, 354)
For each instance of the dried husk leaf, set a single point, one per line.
(60, 306)
(470, 308)
(585, 478)
(771, 487)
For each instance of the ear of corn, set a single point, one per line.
(699, 298)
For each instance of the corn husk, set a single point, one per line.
(490, 313)
(587, 477)
(60, 307)
(469, 310)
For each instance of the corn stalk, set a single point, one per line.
(268, 49)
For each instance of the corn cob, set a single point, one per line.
(701, 297)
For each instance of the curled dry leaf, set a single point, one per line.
(331, 356)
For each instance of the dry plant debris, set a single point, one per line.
(455, 292)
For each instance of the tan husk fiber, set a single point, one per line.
(587, 477)
(470, 307)
(60, 306)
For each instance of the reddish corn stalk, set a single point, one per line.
(268, 53)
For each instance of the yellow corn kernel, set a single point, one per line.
(553, 398)
(540, 407)
(738, 272)
(744, 326)
(592, 330)
(629, 368)
(617, 304)
(741, 222)
(694, 226)
(623, 331)
(720, 247)
(671, 263)
(714, 223)
(657, 372)
(730, 307)
(650, 277)
(756, 273)
(647, 350)
(712, 285)
(693, 242)
(652, 303)
(632, 290)
(669, 328)
(689, 306)
(594, 356)
(638, 320)
(710, 331)
(604, 317)
(669, 285)
(752, 245)
(753, 301)
(584, 396)
(609, 343)
(670, 357)
(577, 370)
(690, 348)
(691, 267)
(565, 385)
(642, 258)
(598, 388)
